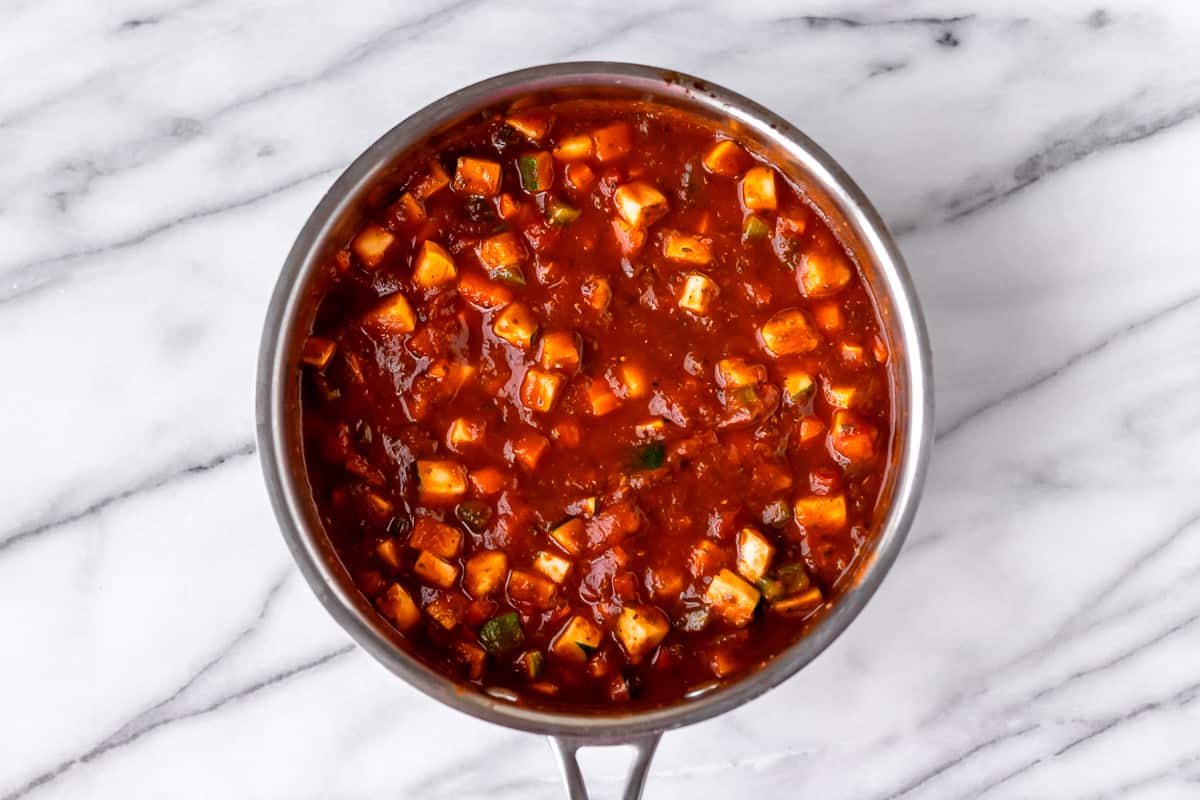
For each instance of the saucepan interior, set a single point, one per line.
(339, 214)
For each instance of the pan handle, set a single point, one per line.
(565, 747)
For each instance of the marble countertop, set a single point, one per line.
(1040, 633)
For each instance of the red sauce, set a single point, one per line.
(596, 407)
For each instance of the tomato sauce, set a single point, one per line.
(596, 407)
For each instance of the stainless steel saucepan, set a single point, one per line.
(334, 222)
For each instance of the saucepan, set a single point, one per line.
(332, 224)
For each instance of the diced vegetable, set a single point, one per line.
(586, 506)
(316, 351)
(597, 292)
(482, 293)
(640, 629)
(371, 245)
(506, 206)
(435, 571)
(705, 558)
(485, 572)
(733, 373)
(528, 449)
(688, 249)
(573, 148)
(539, 389)
(560, 213)
(777, 514)
(754, 229)
(488, 481)
(533, 662)
(434, 266)
(839, 396)
(649, 456)
(788, 332)
(631, 381)
(560, 350)
(630, 239)
(829, 317)
(579, 176)
(853, 354)
(388, 553)
(477, 176)
(798, 387)
(823, 273)
(665, 582)
(533, 127)
(531, 588)
(501, 250)
(474, 514)
(536, 171)
(569, 535)
(437, 537)
(820, 514)
(399, 607)
(852, 437)
(800, 605)
(445, 613)
(758, 189)
(553, 567)
(516, 325)
(769, 588)
(754, 554)
(408, 210)
(441, 481)
(452, 376)
(640, 204)
(601, 398)
(699, 291)
(511, 275)
(732, 599)
(613, 141)
(792, 578)
(651, 429)
(472, 658)
(726, 158)
(576, 642)
(502, 633)
(550, 272)
(434, 181)
(465, 431)
(810, 428)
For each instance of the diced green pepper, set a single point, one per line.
(793, 578)
(534, 661)
(770, 588)
(755, 229)
(474, 514)
(777, 514)
(559, 213)
(528, 169)
(502, 633)
(510, 274)
(650, 456)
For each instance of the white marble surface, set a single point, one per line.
(1040, 634)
